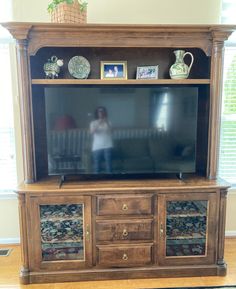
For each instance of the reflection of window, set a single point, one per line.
(161, 113)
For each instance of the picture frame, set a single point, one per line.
(147, 72)
(114, 70)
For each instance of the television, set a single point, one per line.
(147, 130)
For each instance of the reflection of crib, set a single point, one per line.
(68, 149)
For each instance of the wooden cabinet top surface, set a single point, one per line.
(102, 186)
(39, 26)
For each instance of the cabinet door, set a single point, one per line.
(187, 228)
(60, 232)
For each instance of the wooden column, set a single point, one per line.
(26, 110)
(24, 273)
(221, 236)
(215, 106)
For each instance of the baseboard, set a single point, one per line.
(5, 241)
(230, 234)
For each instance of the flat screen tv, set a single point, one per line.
(121, 130)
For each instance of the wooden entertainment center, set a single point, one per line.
(115, 229)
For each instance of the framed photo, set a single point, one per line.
(113, 70)
(147, 72)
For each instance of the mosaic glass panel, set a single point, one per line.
(186, 228)
(62, 233)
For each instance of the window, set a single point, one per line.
(227, 160)
(228, 11)
(7, 140)
(227, 165)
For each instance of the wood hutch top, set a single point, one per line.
(36, 41)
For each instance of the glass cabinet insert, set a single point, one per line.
(62, 232)
(186, 228)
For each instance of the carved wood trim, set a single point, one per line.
(215, 107)
(101, 35)
(26, 110)
(24, 274)
(121, 39)
(19, 31)
(222, 220)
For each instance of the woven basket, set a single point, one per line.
(69, 13)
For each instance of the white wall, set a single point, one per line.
(112, 11)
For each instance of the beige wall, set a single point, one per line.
(130, 11)
(112, 11)
(231, 213)
(9, 224)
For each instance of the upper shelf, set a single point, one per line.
(114, 82)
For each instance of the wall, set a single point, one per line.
(130, 11)
(230, 216)
(9, 228)
(112, 11)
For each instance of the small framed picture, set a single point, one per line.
(113, 70)
(147, 72)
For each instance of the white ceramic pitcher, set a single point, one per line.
(180, 70)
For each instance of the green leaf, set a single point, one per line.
(83, 5)
(69, 1)
(52, 6)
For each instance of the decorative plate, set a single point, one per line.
(79, 67)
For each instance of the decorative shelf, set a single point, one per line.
(55, 219)
(67, 241)
(187, 237)
(186, 215)
(115, 82)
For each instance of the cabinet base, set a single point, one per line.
(127, 273)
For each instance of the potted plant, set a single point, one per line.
(68, 11)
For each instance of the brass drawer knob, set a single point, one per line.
(125, 257)
(125, 207)
(125, 233)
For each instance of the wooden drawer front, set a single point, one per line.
(119, 205)
(125, 256)
(124, 230)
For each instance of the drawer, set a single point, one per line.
(124, 205)
(118, 230)
(124, 256)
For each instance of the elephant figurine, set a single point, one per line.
(52, 67)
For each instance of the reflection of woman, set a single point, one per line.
(102, 145)
(116, 71)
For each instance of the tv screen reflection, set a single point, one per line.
(121, 130)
